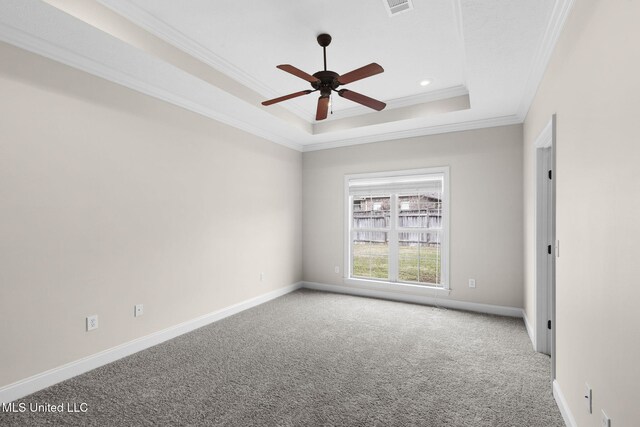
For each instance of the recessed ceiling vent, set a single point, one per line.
(395, 7)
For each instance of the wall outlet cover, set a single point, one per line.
(92, 322)
(138, 310)
(472, 283)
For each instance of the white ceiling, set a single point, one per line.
(494, 51)
(422, 43)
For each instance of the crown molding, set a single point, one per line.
(406, 101)
(171, 35)
(559, 15)
(46, 48)
(422, 131)
(37, 45)
(36, 41)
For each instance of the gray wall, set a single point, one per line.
(109, 198)
(592, 84)
(486, 206)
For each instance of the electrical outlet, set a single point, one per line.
(138, 310)
(588, 398)
(605, 421)
(262, 277)
(336, 269)
(92, 322)
(472, 283)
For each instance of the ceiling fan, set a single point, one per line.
(327, 81)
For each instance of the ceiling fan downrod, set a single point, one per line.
(324, 40)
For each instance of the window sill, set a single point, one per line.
(393, 286)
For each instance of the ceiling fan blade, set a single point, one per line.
(360, 73)
(323, 108)
(361, 99)
(298, 73)
(284, 98)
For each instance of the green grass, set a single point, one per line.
(417, 263)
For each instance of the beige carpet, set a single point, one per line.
(321, 359)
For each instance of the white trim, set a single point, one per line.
(176, 38)
(394, 249)
(397, 286)
(445, 250)
(539, 66)
(406, 101)
(543, 232)
(48, 49)
(424, 299)
(346, 231)
(37, 45)
(567, 416)
(556, 243)
(171, 35)
(45, 47)
(542, 262)
(530, 331)
(48, 378)
(420, 131)
(545, 138)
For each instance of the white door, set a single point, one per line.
(547, 232)
(545, 242)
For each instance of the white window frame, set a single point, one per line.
(445, 237)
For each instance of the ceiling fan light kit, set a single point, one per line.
(327, 81)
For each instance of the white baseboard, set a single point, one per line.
(532, 335)
(416, 299)
(563, 406)
(48, 378)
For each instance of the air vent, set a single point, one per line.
(395, 7)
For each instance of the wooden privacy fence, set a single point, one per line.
(372, 219)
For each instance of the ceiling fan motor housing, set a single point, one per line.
(328, 81)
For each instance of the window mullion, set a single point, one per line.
(393, 240)
(351, 235)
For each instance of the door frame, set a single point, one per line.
(545, 232)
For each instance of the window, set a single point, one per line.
(397, 229)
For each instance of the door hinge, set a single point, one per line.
(549, 249)
(548, 324)
(550, 174)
